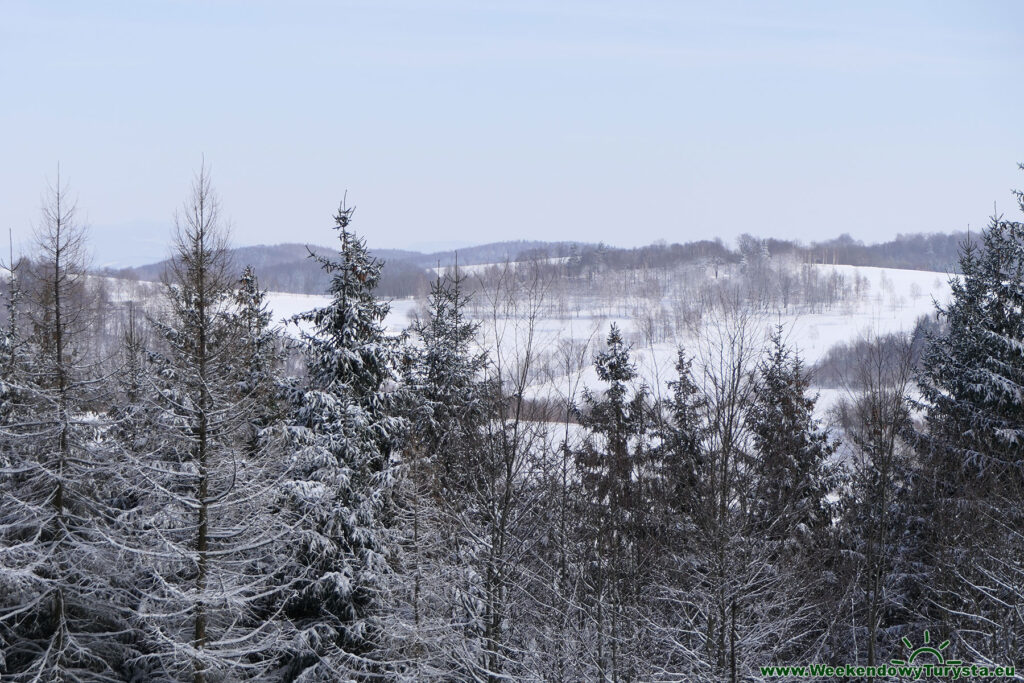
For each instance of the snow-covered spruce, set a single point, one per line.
(448, 402)
(972, 453)
(344, 442)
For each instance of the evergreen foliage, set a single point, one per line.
(972, 391)
(215, 501)
(448, 403)
(346, 435)
(617, 502)
(791, 451)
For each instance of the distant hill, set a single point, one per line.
(935, 251)
(288, 268)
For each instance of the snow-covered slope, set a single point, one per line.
(892, 301)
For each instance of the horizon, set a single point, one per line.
(378, 252)
(730, 244)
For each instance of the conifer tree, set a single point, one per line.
(681, 431)
(972, 389)
(500, 488)
(57, 606)
(453, 398)
(791, 451)
(682, 468)
(347, 432)
(205, 531)
(726, 603)
(261, 355)
(614, 469)
(444, 372)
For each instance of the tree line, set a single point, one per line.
(284, 267)
(211, 499)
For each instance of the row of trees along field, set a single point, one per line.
(211, 500)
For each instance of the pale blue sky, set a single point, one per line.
(480, 120)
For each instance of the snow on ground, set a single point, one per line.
(285, 305)
(895, 299)
(401, 314)
(894, 302)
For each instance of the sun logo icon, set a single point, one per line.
(927, 649)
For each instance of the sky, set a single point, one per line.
(468, 121)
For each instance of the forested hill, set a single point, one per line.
(936, 251)
(288, 268)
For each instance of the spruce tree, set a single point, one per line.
(614, 470)
(261, 356)
(727, 599)
(682, 472)
(448, 402)
(347, 431)
(452, 397)
(206, 528)
(972, 452)
(681, 430)
(500, 488)
(790, 451)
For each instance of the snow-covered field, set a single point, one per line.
(284, 305)
(894, 300)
